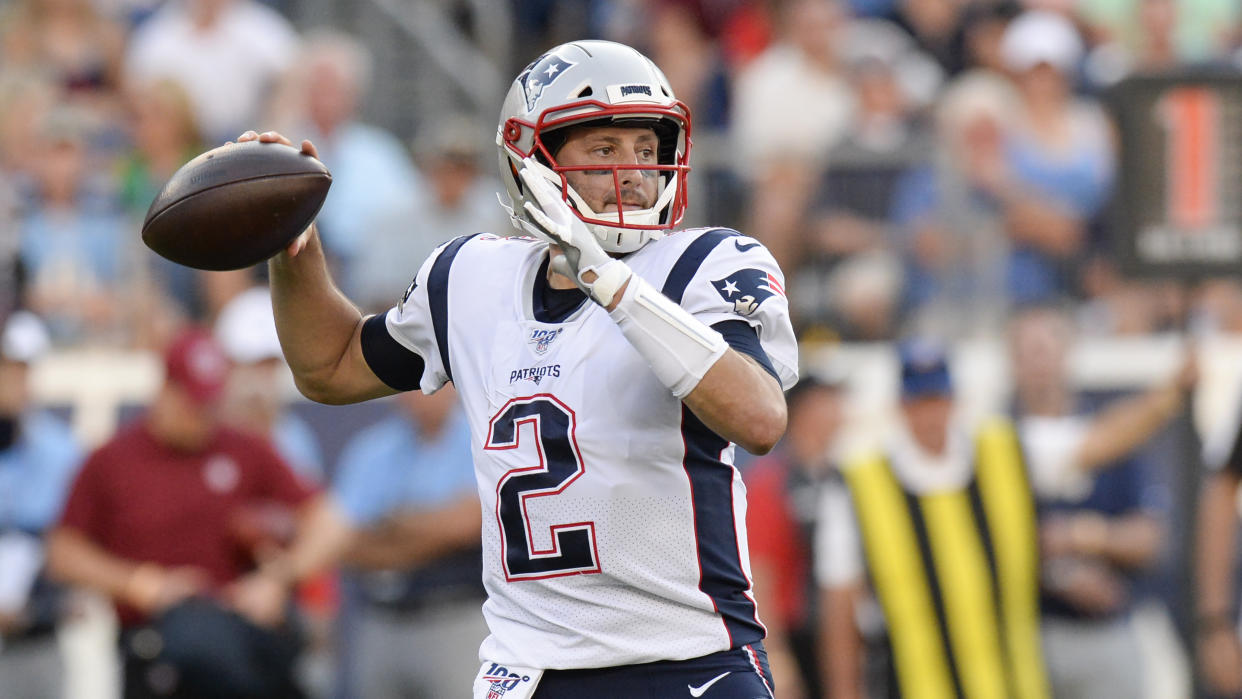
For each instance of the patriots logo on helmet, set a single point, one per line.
(747, 289)
(538, 75)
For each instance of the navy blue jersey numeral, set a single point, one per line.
(552, 424)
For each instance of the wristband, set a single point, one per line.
(679, 347)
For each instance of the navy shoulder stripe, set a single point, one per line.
(688, 264)
(437, 297)
(395, 365)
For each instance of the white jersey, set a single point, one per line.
(614, 521)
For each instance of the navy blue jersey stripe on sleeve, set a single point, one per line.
(743, 338)
(437, 297)
(684, 269)
(715, 531)
(395, 365)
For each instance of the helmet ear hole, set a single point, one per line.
(585, 92)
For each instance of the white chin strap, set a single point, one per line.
(615, 238)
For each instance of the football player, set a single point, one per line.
(608, 365)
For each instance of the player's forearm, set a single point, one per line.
(738, 400)
(1217, 534)
(316, 323)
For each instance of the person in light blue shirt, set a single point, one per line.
(38, 460)
(412, 617)
(372, 173)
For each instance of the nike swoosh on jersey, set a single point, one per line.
(698, 691)
(743, 248)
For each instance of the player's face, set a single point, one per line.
(610, 146)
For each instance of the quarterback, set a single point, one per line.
(608, 364)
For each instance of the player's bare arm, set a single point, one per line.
(740, 401)
(319, 328)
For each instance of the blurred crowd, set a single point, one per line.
(917, 166)
(930, 168)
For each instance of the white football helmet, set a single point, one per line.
(580, 83)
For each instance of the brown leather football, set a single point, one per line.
(236, 205)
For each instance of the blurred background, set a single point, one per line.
(919, 168)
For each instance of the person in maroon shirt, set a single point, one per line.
(153, 521)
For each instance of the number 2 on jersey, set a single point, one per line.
(573, 549)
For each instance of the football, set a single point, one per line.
(236, 205)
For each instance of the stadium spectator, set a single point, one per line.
(254, 400)
(38, 458)
(413, 620)
(791, 105)
(692, 62)
(936, 26)
(850, 241)
(73, 242)
(949, 226)
(1102, 520)
(1185, 32)
(982, 29)
(226, 54)
(26, 99)
(157, 521)
(457, 198)
(165, 135)
(1059, 164)
(373, 180)
(783, 494)
(71, 43)
(1216, 594)
(939, 528)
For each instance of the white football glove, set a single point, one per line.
(565, 230)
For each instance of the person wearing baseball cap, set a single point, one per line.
(38, 459)
(255, 397)
(938, 527)
(152, 522)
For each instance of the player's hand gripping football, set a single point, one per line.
(584, 261)
(299, 243)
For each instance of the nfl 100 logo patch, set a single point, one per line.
(502, 680)
(541, 340)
